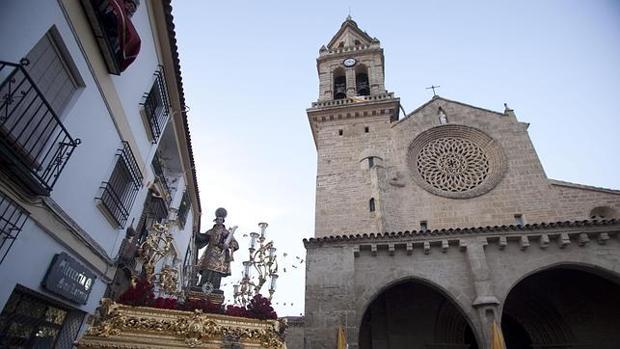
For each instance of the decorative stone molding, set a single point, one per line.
(125, 326)
(456, 161)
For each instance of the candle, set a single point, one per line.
(253, 237)
(274, 278)
(262, 226)
(246, 269)
(231, 233)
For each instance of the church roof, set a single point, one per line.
(435, 98)
(462, 231)
(583, 186)
(349, 26)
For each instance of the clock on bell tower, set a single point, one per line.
(350, 122)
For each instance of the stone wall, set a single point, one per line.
(474, 269)
(294, 334)
(345, 183)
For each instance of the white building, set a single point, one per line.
(94, 148)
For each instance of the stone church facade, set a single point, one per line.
(431, 226)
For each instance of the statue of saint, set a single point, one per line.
(215, 261)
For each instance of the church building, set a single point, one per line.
(440, 229)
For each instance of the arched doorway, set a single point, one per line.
(413, 315)
(562, 308)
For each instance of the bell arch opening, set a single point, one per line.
(340, 84)
(362, 85)
(562, 307)
(412, 315)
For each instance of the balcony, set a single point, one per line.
(34, 144)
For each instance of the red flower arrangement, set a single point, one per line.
(165, 303)
(260, 308)
(142, 295)
(236, 310)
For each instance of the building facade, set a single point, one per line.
(432, 226)
(94, 149)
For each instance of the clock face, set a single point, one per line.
(349, 62)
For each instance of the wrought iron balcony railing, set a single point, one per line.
(12, 219)
(161, 177)
(156, 106)
(34, 144)
(119, 192)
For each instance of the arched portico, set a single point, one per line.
(413, 313)
(563, 306)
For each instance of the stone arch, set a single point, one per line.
(597, 269)
(362, 82)
(451, 322)
(603, 212)
(562, 305)
(339, 83)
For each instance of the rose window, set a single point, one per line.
(456, 161)
(453, 164)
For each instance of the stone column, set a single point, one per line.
(350, 74)
(486, 302)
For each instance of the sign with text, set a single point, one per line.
(68, 278)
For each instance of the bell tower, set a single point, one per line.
(350, 124)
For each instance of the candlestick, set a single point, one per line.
(253, 237)
(263, 227)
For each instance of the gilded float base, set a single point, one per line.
(124, 326)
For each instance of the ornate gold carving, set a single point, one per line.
(156, 246)
(168, 279)
(135, 325)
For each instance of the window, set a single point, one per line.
(423, 226)
(156, 106)
(118, 194)
(340, 132)
(28, 321)
(371, 204)
(371, 161)
(183, 209)
(519, 219)
(366, 129)
(340, 84)
(12, 219)
(357, 42)
(51, 69)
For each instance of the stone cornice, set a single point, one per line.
(451, 236)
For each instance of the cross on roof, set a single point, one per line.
(433, 87)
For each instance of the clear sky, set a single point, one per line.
(249, 73)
